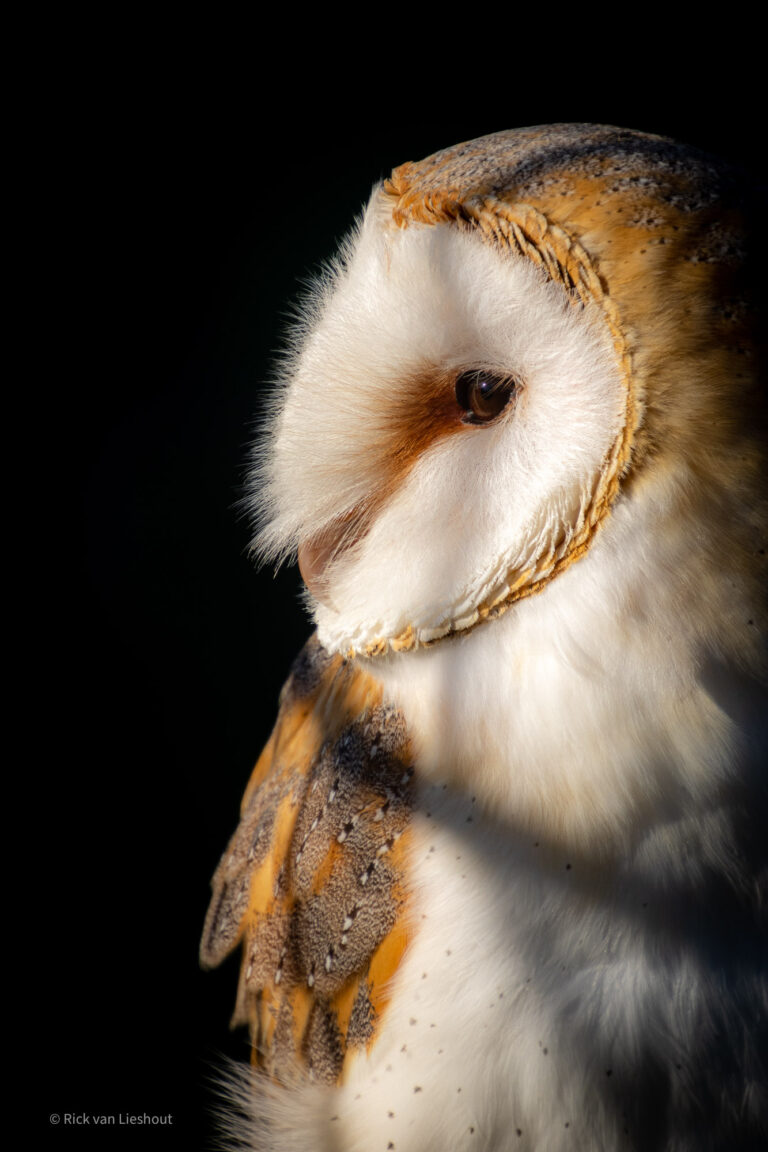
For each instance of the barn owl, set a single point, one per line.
(499, 879)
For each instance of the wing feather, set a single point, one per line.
(314, 880)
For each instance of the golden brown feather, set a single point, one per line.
(314, 881)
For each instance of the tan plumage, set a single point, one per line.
(313, 881)
(545, 811)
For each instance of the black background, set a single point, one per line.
(179, 189)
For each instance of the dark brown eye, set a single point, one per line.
(482, 396)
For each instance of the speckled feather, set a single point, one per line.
(314, 880)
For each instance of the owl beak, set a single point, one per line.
(318, 553)
(314, 557)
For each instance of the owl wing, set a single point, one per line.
(314, 880)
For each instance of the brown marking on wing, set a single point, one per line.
(263, 1019)
(262, 895)
(301, 1002)
(384, 964)
(326, 867)
(344, 1002)
(314, 882)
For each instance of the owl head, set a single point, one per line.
(532, 347)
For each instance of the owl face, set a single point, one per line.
(451, 417)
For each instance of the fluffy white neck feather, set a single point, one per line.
(583, 712)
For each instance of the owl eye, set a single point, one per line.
(482, 396)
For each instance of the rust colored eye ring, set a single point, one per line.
(483, 395)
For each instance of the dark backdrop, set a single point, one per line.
(182, 198)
